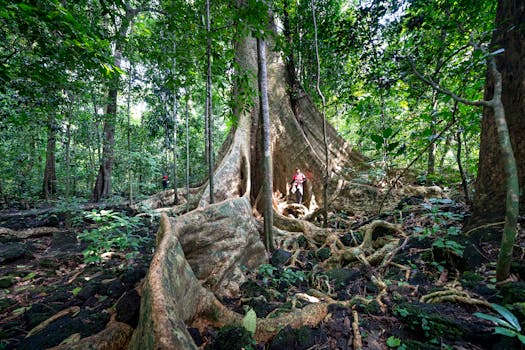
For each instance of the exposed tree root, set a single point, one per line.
(453, 295)
(358, 342)
(115, 336)
(173, 297)
(369, 252)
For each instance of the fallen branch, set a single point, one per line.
(43, 325)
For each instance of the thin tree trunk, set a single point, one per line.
(209, 118)
(491, 180)
(68, 171)
(509, 163)
(325, 140)
(464, 182)
(102, 187)
(130, 167)
(50, 180)
(445, 151)
(513, 187)
(266, 146)
(431, 160)
(4, 196)
(103, 183)
(174, 149)
(187, 157)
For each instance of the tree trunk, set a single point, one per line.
(464, 182)
(491, 181)
(211, 243)
(266, 146)
(209, 111)
(102, 187)
(187, 156)
(174, 112)
(50, 179)
(103, 183)
(325, 141)
(128, 136)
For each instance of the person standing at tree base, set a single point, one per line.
(297, 182)
(165, 182)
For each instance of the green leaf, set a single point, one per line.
(377, 139)
(521, 338)
(392, 146)
(505, 331)
(509, 316)
(393, 342)
(493, 319)
(29, 276)
(249, 322)
(387, 132)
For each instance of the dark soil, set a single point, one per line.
(45, 274)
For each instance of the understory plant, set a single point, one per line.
(113, 232)
(507, 324)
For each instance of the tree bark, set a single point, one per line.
(266, 139)
(187, 155)
(209, 112)
(174, 112)
(102, 187)
(325, 140)
(103, 183)
(491, 180)
(50, 179)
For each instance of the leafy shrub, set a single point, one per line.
(113, 232)
(507, 324)
(271, 275)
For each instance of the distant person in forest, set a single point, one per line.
(298, 180)
(165, 182)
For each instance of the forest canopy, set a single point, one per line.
(65, 63)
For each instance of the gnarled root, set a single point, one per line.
(373, 252)
(453, 295)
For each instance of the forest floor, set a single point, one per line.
(435, 283)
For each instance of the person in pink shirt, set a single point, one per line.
(298, 180)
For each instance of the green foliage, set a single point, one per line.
(232, 337)
(393, 342)
(423, 319)
(113, 232)
(507, 324)
(449, 245)
(273, 276)
(249, 322)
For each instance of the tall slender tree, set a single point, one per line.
(266, 145)
(326, 176)
(174, 120)
(102, 187)
(209, 111)
(50, 179)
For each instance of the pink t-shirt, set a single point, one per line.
(299, 178)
